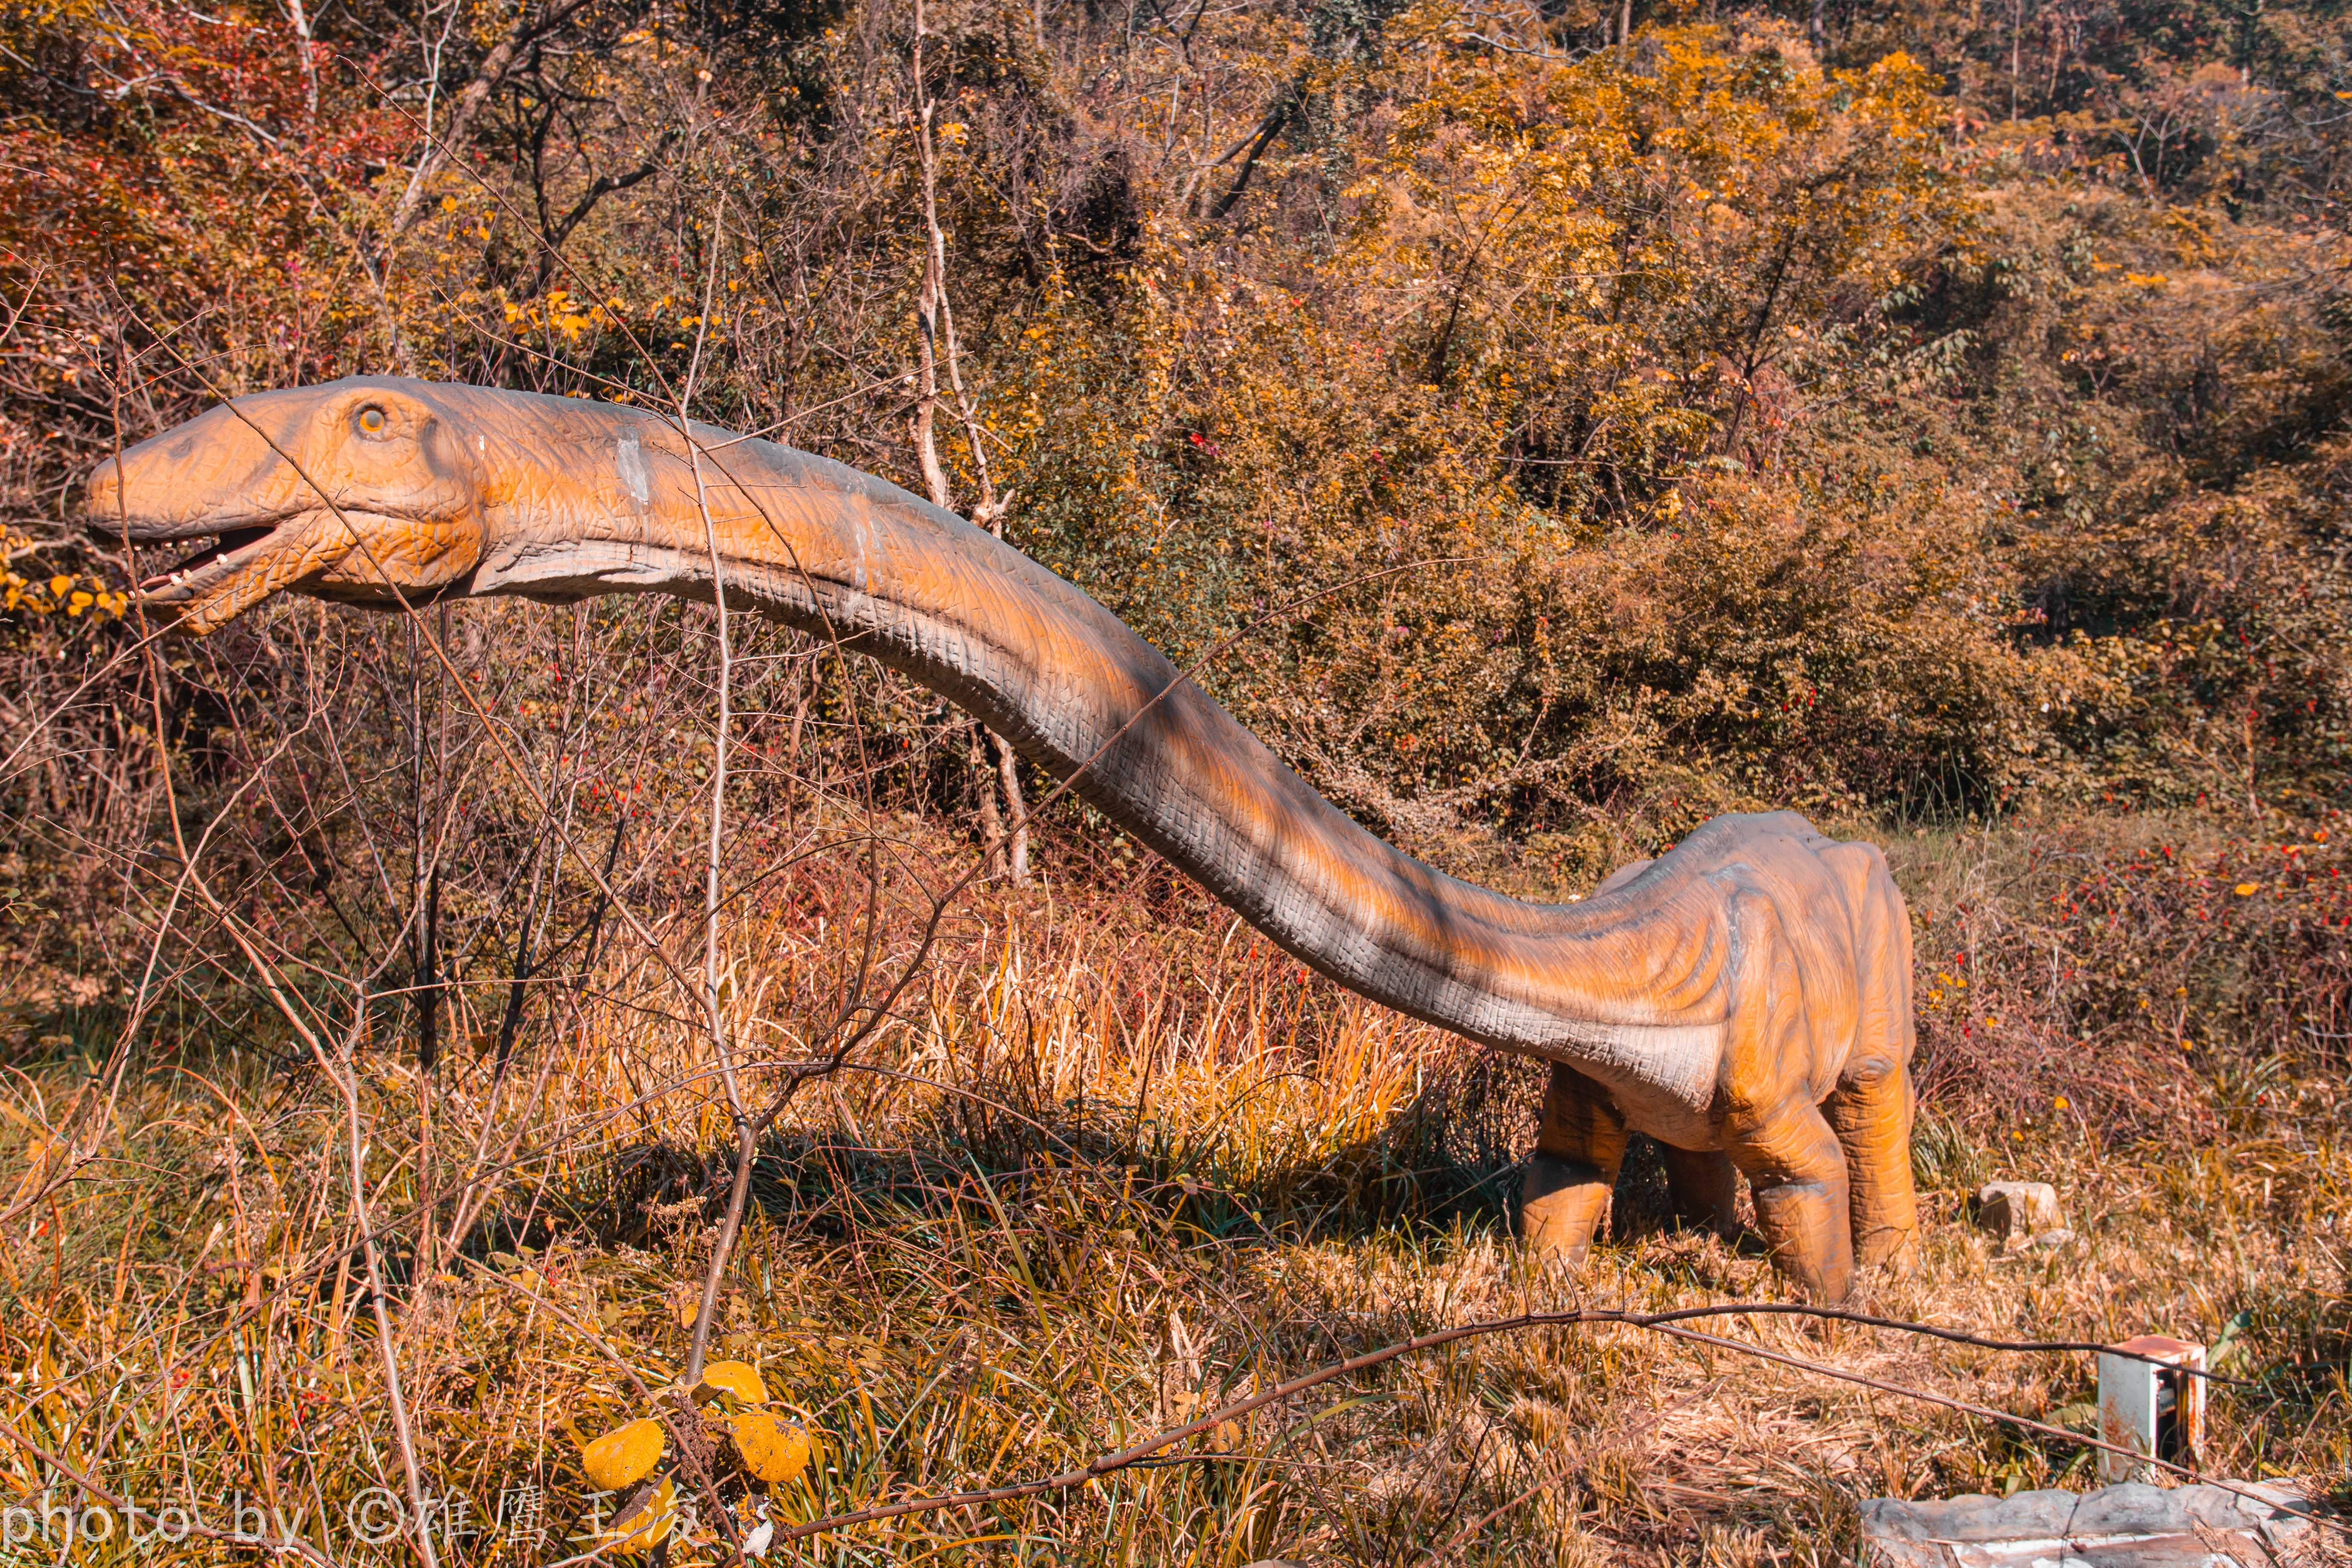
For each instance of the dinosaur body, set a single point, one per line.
(1745, 998)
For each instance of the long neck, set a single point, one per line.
(606, 499)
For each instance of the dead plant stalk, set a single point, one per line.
(747, 1135)
(936, 335)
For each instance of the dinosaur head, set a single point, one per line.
(349, 491)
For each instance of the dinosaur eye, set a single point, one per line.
(372, 420)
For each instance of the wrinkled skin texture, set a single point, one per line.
(1745, 998)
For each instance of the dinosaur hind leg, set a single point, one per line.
(1704, 1185)
(1872, 1114)
(1871, 1108)
(1574, 1168)
(1794, 1163)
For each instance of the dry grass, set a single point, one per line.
(1114, 1164)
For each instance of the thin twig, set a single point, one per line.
(747, 1139)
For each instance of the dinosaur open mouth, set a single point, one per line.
(223, 552)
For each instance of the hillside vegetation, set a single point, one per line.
(1548, 427)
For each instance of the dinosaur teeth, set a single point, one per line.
(224, 550)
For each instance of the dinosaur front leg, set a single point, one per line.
(1871, 1113)
(1794, 1164)
(1704, 1185)
(1574, 1167)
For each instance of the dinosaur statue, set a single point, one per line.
(1745, 998)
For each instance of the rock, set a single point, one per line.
(2130, 1526)
(2017, 1211)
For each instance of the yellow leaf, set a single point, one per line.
(731, 1377)
(773, 1451)
(646, 1521)
(624, 1456)
(2246, 890)
(57, 586)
